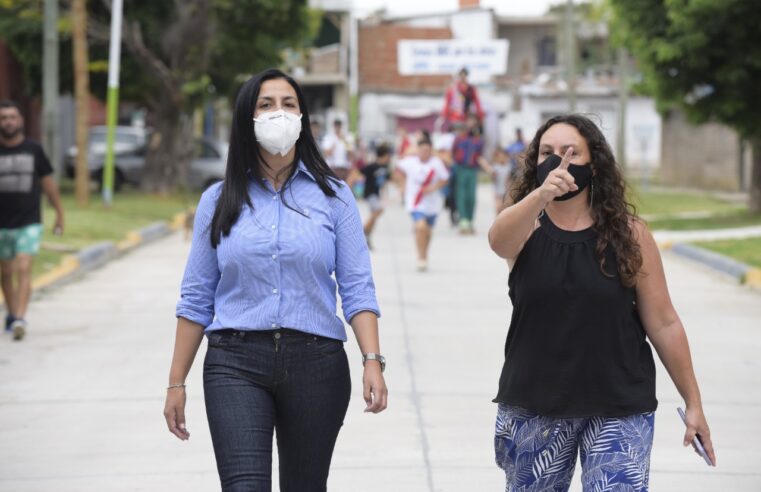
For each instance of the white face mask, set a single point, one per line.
(277, 131)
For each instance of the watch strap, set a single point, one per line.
(374, 356)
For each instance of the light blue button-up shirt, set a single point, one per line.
(275, 269)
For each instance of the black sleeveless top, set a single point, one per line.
(576, 346)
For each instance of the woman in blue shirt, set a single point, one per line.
(259, 283)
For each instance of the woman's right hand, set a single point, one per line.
(559, 181)
(174, 412)
(697, 424)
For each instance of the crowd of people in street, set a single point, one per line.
(435, 173)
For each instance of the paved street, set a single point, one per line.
(81, 398)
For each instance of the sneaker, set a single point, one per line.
(422, 265)
(9, 319)
(18, 327)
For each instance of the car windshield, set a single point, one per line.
(99, 137)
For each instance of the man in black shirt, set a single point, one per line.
(376, 175)
(25, 173)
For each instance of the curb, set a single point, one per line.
(97, 255)
(742, 272)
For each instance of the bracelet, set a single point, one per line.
(175, 386)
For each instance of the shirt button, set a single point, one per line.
(274, 291)
(274, 226)
(306, 212)
(274, 197)
(274, 257)
(274, 325)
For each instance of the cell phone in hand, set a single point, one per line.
(696, 440)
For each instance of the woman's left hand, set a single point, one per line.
(374, 388)
(696, 423)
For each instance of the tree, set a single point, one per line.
(703, 56)
(182, 47)
(82, 95)
(174, 51)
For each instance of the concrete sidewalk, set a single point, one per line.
(81, 398)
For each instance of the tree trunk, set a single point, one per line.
(82, 91)
(755, 176)
(169, 152)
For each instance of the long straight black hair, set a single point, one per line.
(245, 161)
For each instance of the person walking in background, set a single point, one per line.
(588, 291)
(335, 145)
(442, 146)
(375, 175)
(259, 282)
(422, 177)
(460, 101)
(316, 130)
(502, 176)
(25, 173)
(515, 150)
(466, 155)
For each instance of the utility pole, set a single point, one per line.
(114, 54)
(570, 43)
(51, 138)
(82, 93)
(623, 101)
(354, 71)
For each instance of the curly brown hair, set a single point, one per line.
(613, 215)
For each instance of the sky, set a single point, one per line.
(407, 7)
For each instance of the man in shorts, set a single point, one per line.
(25, 173)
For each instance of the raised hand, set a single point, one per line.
(559, 181)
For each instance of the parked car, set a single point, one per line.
(129, 154)
(208, 165)
(130, 148)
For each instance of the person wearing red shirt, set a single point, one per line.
(461, 100)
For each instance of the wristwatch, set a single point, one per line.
(372, 356)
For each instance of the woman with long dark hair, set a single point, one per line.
(588, 291)
(259, 283)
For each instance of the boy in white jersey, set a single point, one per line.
(423, 176)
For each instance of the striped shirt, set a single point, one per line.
(275, 269)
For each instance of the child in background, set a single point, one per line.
(376, 175)
(422, 177)
(502, 173)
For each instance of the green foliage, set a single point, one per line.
(21, 30)
(701, 55)
(248, 36)
(251, 34)
(744, 250)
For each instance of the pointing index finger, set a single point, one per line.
(566, 160)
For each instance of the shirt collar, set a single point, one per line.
(301, 167)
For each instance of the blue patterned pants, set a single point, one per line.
(539, 453)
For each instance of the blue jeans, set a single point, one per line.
(539, 453)
(285, 380)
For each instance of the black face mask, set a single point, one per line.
(581, 174)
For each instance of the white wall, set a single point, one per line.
(643, 123)
(473, 24)
(377, 112)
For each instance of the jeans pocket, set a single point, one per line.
(217, 339)
(326, 346)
